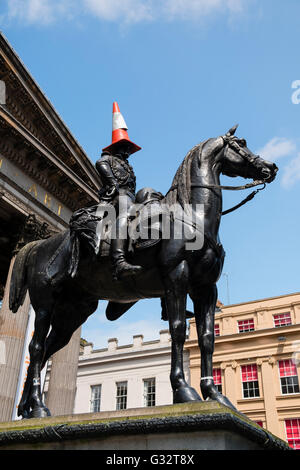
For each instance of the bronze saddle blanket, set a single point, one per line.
(94, 226)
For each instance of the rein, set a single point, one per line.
(231, 188)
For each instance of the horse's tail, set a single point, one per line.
(18, 283)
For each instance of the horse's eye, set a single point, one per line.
(243, 143)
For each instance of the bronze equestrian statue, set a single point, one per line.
(169, 272)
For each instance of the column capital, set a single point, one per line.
(232, 364)
(269, 359)
(30, 231)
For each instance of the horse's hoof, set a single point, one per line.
(39, 412)
(224, 401)
(185, 394)
(24, 414)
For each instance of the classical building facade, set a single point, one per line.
(256, 361)
(118, 377)
(44, 176)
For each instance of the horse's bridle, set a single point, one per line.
(231, 142)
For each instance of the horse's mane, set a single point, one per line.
(180, 191)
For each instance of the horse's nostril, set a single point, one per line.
(266, 172)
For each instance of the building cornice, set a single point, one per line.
(266, 299)
(24, 208)
(44, 152)
(117, 355)
(36, 98)
(263, 333)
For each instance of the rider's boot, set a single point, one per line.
(121, 268)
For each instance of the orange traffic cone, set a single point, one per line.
(119, 132)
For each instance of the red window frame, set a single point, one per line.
(292, 429)
(287, 368)
(288, 377)
(250, 382)
(217, 375)
(282, 319)
(249, 373)
(246, 325)
(217, 329)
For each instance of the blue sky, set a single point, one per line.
(182, 71)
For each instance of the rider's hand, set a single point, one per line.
(112, 190)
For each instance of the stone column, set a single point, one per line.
(13, 326)
(269, 394)
(230, 381)
(297, 313)
(63, 377)
(12, 334)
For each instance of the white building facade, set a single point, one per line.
(121, 377)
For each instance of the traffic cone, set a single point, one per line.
(119, 132)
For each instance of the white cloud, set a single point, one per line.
(122, 11)
(129, 11)
(194, 9)
(291, 173)
(276, 148)
(39, 11)
(30, 11)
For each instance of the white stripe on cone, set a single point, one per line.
(118, 122)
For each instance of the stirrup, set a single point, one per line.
(124, 269)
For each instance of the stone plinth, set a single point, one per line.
(192, 426)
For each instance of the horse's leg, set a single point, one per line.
(175, 298)
(164, 314)
(32, 397)
(204, 308)
(63, 328)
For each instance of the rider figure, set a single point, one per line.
(119, 185)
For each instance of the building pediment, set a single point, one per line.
(33, 132)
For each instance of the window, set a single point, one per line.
(250, 381)
(288, 377)
(217, 375)
(149, 392)
(217, 329)
(246, 325)
(121, 395)
(292, 427)
(95, 398)
(282, 319)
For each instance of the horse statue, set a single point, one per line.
(170, 272)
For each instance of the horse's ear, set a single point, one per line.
(232, 130)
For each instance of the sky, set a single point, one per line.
(182, 71)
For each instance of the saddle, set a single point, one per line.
(94, 226)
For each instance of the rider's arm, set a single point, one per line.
(107, 177)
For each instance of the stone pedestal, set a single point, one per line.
(192, 426)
